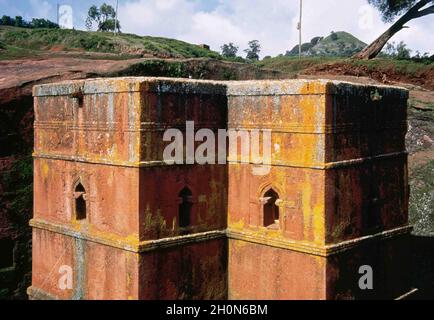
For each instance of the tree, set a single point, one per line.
(229, 50)
(334, 36)
(389, 50)
(104, 17)
(35, 23)
(402, 52)
(19, 21)
(7, 21)
(315, 41)
(399, 51)
(253, 51)
(390, 9)
(43, 23)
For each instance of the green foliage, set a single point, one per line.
(229, 50)
(236, 59)
(21, 23)
(104, 17)
(253, 50)
(109, 25)
(156, 68)
(175, 48)
(338, 44)
(401, 52)
(334, 36)
(398, 51)
(43, 23)
(425, 58)
(7, 21)
(390, 9)
(314, 41)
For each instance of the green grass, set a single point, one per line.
(74, 40)
(12, 52)
(294, 65)
(399, 66)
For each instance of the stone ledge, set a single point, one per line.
(274, 163)
(131, 85)
(282, 243)
(229, 88)
(307, 87)
(316, 249)
(39, 294)
(126, 243)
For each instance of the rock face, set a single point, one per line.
(332, 198)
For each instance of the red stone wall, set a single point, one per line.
(260, 272)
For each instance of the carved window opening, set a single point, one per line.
(6, 253)
(271, 209)
(185, 206)
(80, 202)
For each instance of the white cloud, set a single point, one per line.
(273, 23)
(168, 18)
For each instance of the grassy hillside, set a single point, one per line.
(17, 42)
(337, 44)
(381, 69)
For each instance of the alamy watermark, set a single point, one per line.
(366, 282)
(245, 146)
(66, 278)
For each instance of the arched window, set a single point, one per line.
(185, 208)
(80, 202)
(271, 209)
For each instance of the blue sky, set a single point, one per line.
(214, 22)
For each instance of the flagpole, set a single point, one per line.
(116, 19)
(299, 29)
